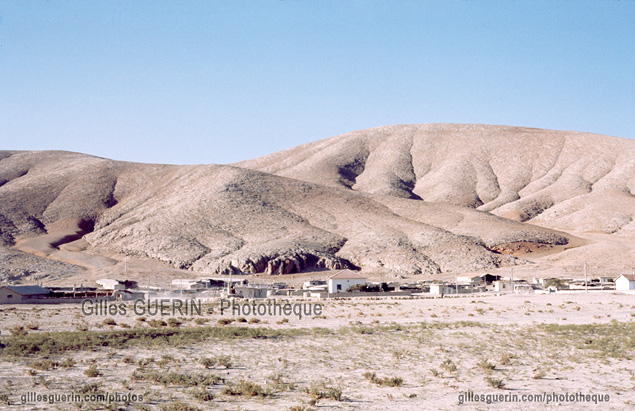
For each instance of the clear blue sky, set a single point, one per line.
(188, 82)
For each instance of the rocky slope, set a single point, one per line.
(560, 179)
(401, 199)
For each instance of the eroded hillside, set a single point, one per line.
(414, 199)
(566, 180)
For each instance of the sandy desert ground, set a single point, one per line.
(366, 353)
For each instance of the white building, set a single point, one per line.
(625, 282)
(466, 279)
(315, 285)
(248, 291)
(187, 284)
(439, 289)
(343, 280)
(110, 284)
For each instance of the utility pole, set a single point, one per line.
(511, 281)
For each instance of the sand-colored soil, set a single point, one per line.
(440, 348)
(64, 242)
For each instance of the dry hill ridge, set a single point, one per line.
(414, 199)
(568, 180)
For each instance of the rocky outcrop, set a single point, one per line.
(276, 264)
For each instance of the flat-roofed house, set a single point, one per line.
(469, 279)
(248, 291)
(21, 294)
(502, 285)
(441, 289)
(343, 280)
(111, 284)
(188, 284)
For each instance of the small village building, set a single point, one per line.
(442, 289)
(523, 288)
(518, 286)
(187, 284)
(488, 279)
(250, 291)
(314, 285)
(464, 279)
(391, 286)
(625, 282)
(221, 282)
(502, 286)
(110, 284)
(343, 280)
(22, 294)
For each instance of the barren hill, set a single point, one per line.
(569, 180)
(402, 199)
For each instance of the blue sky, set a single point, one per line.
(190, 82)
